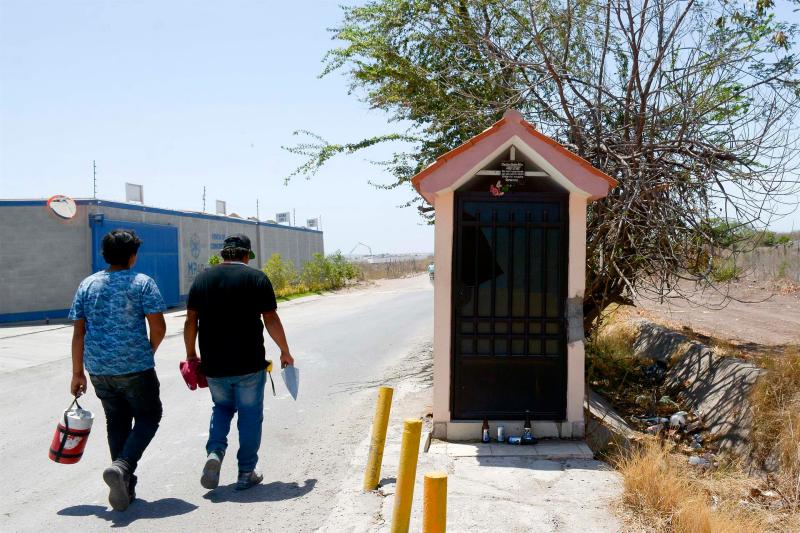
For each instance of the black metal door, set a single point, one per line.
(509, 290)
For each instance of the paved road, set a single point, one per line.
(346, 344)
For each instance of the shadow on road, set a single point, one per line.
(139, 510)
(270, 492)
(416, 369)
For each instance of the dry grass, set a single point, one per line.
(648, 481)
(776, 424)
(611, 368)
(662, 492)
(666, 496)
(615, 372)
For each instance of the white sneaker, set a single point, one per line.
(210, 479)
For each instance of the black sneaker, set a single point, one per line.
(248, 479)
(132, 487)
(117, 478)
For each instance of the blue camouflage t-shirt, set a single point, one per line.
(114, 305)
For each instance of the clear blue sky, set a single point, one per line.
(176, 95)
(180, 94)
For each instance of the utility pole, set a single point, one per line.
(294, 216)
(204, 198)
(94, 180)
(258, 217)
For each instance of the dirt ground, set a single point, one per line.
(761, 323)
(759, 317)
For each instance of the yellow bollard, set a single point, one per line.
(406, 475)
(434, 507)
(372, 476)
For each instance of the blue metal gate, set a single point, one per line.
(158, 255)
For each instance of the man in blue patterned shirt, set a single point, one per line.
(110, 340)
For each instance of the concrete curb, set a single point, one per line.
(605, 428)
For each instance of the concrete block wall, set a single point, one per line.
(294, 246)
(44, 257)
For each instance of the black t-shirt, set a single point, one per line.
(229, 299)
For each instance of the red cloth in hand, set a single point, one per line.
(193, 375)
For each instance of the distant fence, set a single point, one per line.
(395, 268)
(771, 263)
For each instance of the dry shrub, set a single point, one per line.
(776, 423)
(648, 481)
(616, 336)
(615, 372)
(610, 356)
(694, 515)
(664, 495)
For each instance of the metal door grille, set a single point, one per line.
(509, 287)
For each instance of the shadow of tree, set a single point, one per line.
(416, 370)
(716, 388)
(138, 510)
(269, 492)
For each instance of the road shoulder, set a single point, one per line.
(489, 488)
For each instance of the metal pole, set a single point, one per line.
(372, 475)
(94, 180)
(434, 506)
(406, 475)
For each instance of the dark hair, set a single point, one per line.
(234, 254)
(119, 245)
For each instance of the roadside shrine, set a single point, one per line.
(510, 249)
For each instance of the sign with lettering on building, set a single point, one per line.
(512, 172)
(282, 218)
(312, 223)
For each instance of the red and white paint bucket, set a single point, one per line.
(71, 435)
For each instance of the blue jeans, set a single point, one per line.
(245, 395)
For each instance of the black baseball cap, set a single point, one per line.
(239, 241)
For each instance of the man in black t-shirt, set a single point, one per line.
(226, 305)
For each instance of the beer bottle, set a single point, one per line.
(527, 434)
(485, 431)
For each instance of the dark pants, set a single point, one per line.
(129, 399)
